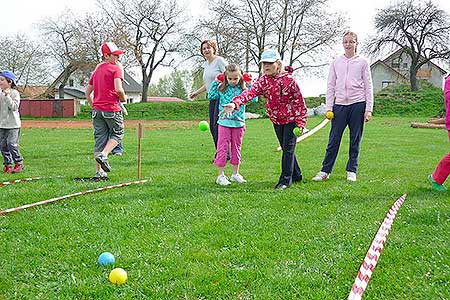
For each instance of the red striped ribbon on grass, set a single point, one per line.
(19, 180)
(374, 252)
(6, 211)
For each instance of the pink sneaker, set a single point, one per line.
(7, 169)
(18, 168)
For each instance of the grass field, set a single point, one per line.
(181, 236)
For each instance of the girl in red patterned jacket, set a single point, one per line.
(285, 108)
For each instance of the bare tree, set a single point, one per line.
(151, 29)
(306, 31)
(303, 31)
(25, 58)
(63, 38)
(241, 28)
(420, 29)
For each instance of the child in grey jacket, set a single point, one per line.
(10, 123)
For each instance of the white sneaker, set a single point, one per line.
(321, 176)
(238, 178)
(222, 180)
(351, 176)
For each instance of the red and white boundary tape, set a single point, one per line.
(6, 211)
(20, 180)
(374, 252)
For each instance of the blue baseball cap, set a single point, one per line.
(270, 55)
(9, 75)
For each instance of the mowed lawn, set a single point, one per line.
(181, 236)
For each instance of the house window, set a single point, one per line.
(405, 65)
(396, 63)
(70, 82)
(386, 83)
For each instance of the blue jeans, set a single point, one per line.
(9, 145)
(353, 117)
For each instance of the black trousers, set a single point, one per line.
(213, 118)
(290, 170)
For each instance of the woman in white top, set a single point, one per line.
(213, 66)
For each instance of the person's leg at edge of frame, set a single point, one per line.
(7, 159)
(338, 124)
(13, 146)
(356, 128)
(442, 170)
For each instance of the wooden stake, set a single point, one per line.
(140, 135)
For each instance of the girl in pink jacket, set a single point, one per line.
(442, 170)
(350, 98)
(285, 108)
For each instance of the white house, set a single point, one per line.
(395, 69)
(76, 86)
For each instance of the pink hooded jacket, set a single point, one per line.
(447, 102)
(285, 102)
(349, 82)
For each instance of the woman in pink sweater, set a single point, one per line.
(442, 170)
(350, 98)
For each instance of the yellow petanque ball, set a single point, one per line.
(329, 115)
(118, 276)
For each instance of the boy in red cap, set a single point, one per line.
(10, 123)
(102, 92)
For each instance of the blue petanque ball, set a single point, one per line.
(106, 258)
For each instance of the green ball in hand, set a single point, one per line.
(297, 131)
(203, 126)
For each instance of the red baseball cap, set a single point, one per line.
(110, 48)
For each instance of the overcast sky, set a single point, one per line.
(20, 15)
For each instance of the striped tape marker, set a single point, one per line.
(374, 252)
(4, 183)
(10, 210)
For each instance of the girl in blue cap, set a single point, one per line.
(10, 123)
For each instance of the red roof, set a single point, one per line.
(165, 99)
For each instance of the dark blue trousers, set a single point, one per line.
(290, 170)
(213, 118)
(353, 117)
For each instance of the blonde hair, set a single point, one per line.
(228, 69)
(210, 43)
(354, 35)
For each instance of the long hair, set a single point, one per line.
(228, 69)
(354, 36)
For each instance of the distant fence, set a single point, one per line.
(41, 108)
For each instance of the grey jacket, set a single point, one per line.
(9, 110)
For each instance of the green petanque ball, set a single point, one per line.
(297, 131)
(203, 126)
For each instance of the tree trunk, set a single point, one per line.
(413, 79)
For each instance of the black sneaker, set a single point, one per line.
(100, 176)
(103, 161)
